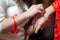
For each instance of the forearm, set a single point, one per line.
(49, 11)
(21, 18)
(9, 22)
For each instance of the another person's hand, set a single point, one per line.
(41, 23)
(33, 10)
(42, 20)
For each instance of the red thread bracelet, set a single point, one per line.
(15, 30)
(14, 22)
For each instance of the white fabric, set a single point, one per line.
(13, 10)
(0, 27)
(7, 9)
(2, 16)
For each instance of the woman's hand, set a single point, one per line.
(39, 23)
(35, 9)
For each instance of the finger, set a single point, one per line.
(35, 26)
(39, 11)
(41, 7)
(37, 29)
(40, 22)
(42, 14)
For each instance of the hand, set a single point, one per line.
(36, 25)
(35, 9)
(30, 30)
(39, 23)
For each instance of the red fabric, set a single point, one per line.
(56, 6)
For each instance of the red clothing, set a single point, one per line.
(56, 6)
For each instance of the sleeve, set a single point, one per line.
(0, 27)
(10, 3)
(2, 16)
(2, 12)
(56, 4)
(4, 6)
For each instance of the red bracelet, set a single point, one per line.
(15, 25)
(15, 30)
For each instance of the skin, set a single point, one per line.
(33, 10)
(30, 29)
(43, 19)
(34, 28)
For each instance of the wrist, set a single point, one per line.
(49, 11)
(27, 14)
(15, 30)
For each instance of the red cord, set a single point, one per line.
(15, 25)
(15, 30)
